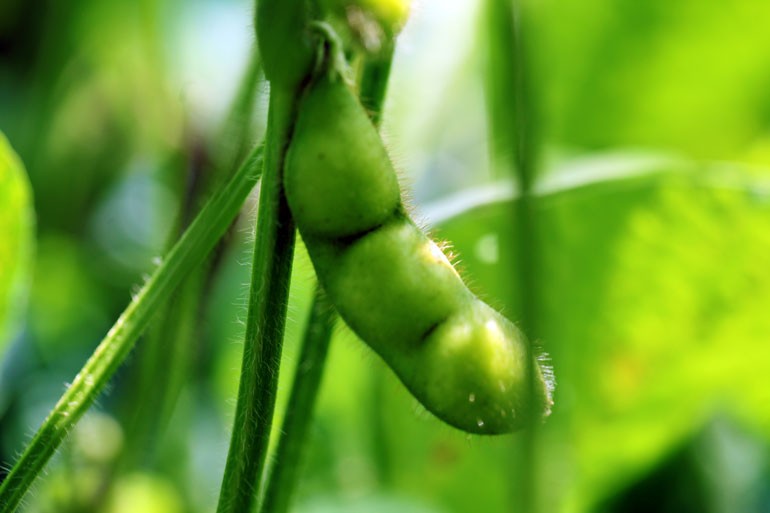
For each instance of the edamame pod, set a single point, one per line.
(392, 284)
(360, 182)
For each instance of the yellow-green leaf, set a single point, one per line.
(16, 240)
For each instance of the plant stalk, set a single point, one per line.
(516, 145)
(299, 410)
(232, 142)
(374, 81)
(270, 276)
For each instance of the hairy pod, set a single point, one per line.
(392, 284)
(360, 180)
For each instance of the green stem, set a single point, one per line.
(299, 410)
(513, 126)
(188, 253)
(234, 138)
(270, 275)
(378, 432)
(164, 366)
(374, 81)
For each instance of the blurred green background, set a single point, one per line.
(652, 247)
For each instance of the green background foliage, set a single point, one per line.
(653, 284)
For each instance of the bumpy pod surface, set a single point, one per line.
(360, 182)
(392, 284)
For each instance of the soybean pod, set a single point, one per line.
(392, 284)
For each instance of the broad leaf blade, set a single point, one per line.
(16, 241)
(652, 302)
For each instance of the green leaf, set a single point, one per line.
(653, 292)
(599, 95)
(17, 225)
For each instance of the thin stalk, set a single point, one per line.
(282, 477)
(299, 410)
(188, 253)
(374, 81)
(164, 366)
(165, 363)
(514, 126)
(270, 276)
(236, 132)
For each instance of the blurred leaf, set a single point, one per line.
(17, 226)
(144, 492)
(654, 292)
(689, 75)
(67, 310)
(718, 470)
